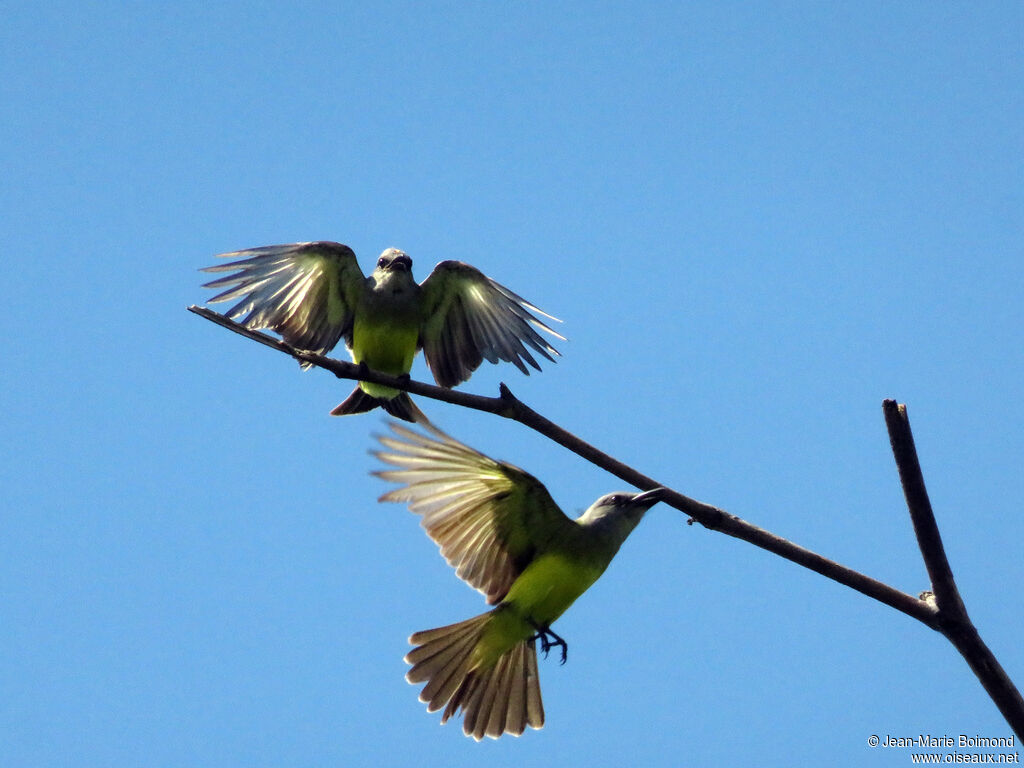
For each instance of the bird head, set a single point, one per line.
(394, 260)
(621, 511)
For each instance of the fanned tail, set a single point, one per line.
(502, 699)
(401, 406)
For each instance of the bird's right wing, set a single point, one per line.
(489, 518)
(307, 292)
(469, 318)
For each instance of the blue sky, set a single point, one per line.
(757, 221)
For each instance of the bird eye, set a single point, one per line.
(381, 262)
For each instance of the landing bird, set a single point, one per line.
(314, 294)
(505, 536)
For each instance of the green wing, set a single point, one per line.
(467, 318)
(489, 518)
(307, 292)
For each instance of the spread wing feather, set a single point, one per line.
(469, 318)
(306, 292)
(489, 518)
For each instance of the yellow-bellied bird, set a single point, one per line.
(314, 294)
(505, 536)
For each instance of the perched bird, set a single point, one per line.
(314, 294)
(505, 536)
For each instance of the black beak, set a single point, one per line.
(402, 262)
(648, 499)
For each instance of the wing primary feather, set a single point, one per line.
(304, 291)
(471, 318)
(488, 519)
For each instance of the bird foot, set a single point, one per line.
(549, 640)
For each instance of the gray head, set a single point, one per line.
(620, 512)
(393, 260)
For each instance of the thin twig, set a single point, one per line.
(953, 622)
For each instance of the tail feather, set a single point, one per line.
(452, 665)
(530, 685)
(502, 699)
(432, 643)
(400, 406)
(494, 701)
(516, 715)
(442, 660)
(357, 402)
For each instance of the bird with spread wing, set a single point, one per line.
(500, 529)
(314, 294)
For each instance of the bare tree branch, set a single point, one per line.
(508, 406)
(952, 622)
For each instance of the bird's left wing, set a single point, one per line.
(307, 292)
(467, 318)
(489, 518)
